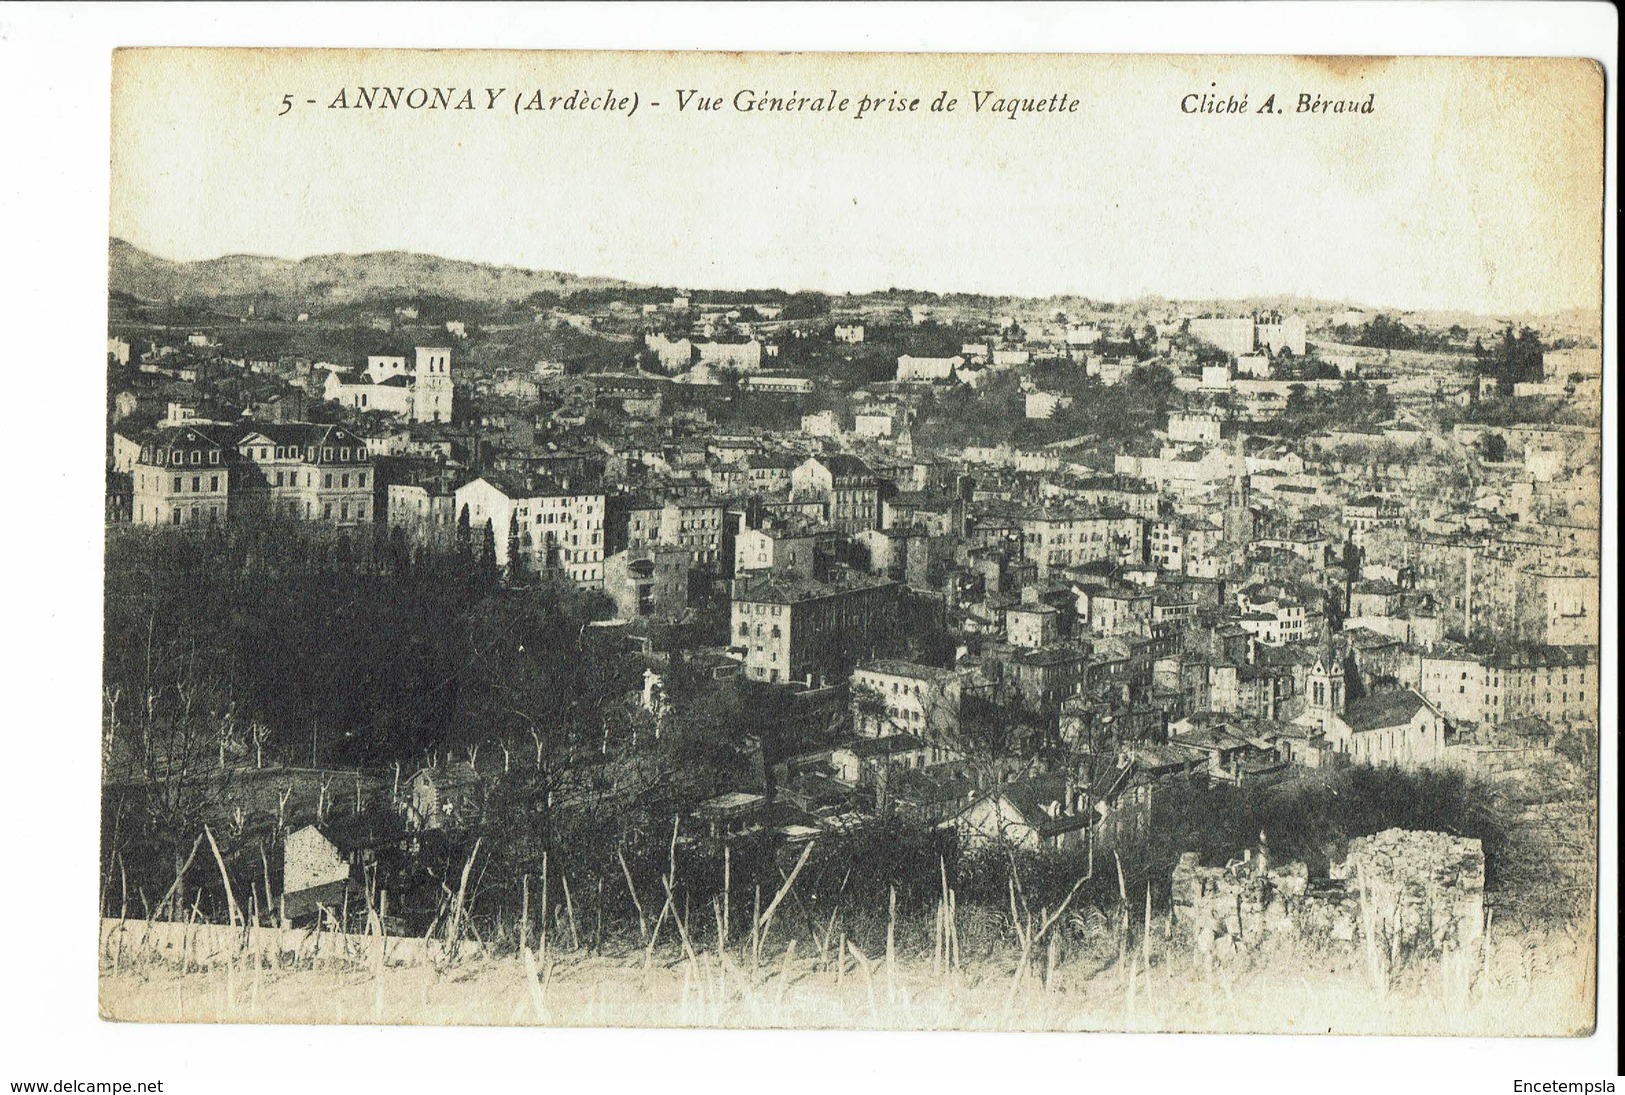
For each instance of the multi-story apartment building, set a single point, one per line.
(937, 514)
(305, 470)
(796, 630)
(1557, 684)
(651, 581)
(561, 529)
(769, 472)
(785, 548)
(1120, 611)
(1252, 690)
(181, 476)
(1123, 492)
(1072, 536)
(849, 490)
(211, 472)
(1276, 620)
(691, 523)
(891, 696)
(1039, 681)
(1559, 605)
(420, 499)
(1176, 542)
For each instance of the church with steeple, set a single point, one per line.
(1398, 728)
(1238, 514)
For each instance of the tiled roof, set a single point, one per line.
(781, 590)
(897, 667)
(1383, 709)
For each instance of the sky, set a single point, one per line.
(1473, 184)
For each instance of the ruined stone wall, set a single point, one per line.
(1428, 888)
(1416, 890)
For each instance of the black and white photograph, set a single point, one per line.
(1088, 542)
(1139, 608)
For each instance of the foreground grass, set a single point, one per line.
(1534, 982)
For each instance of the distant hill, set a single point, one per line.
(331, 278)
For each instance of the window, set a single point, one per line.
(176, 457)
(214, 482)
(214, 456)
(344, 454)
(327, 479)
(345, 479)
(279, 479)
(327, 511)
(327, 453)
(197, 483)
(361, 479)
(175, 518)
(344, 511)
(177, 489)
(197, 456)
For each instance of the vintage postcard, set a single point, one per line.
(988, 542)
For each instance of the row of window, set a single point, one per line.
(178, 456)
(254, 452)
(177, 514)
(178, 484)
(293, 452)
(180, 515)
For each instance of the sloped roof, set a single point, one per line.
(884, 746)
(1383, 709)
(1032, 797)
(782, 590)
(844, 466)
(897, 667)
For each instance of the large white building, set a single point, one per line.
(1233, 335)
(561, 530)
(1241, 335)
(672, 353)
(739, 357)
(209, 472)
(421, 393)
(892, 696)
(927, 368)
(1285, 333)
(1198, 429)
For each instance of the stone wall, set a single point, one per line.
(1428, 888)
(1421, 891)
